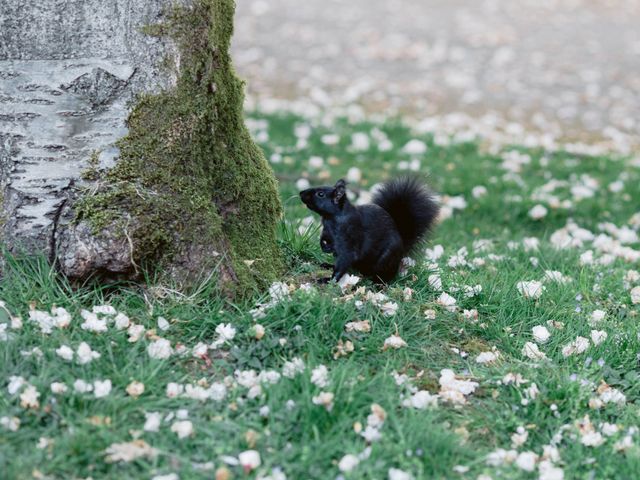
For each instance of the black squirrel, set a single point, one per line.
(373, 238)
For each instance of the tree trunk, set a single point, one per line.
(179, 188)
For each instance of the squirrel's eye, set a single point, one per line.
(320, 194)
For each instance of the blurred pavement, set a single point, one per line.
(569, 69)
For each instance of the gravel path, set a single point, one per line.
(568, 69)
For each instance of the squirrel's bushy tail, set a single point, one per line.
(411, 205)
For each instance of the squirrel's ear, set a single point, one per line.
(339, 191)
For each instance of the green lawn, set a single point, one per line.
(317, 399)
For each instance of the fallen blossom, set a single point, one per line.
(183, 428)
(129, 451)
(538, 212)
(540, 334)
(160, 349)
(519, 437)
(249, 460)
(487, 357)
(447, 302)
(81, 386)
(152, 421)
(453, 389)
(320, 376)
(348, 463)
(394, 341)
(596, 317)
(421, 400)
(555, 276)
(343, 349)
(531, 351)
(579, 345)
(532, 289)
(10, 423)
(527, 461)
(121, 321)
(101, 388)
(635, 295)
(135, 332)
(397, 474)
(174, 390)
(291, 368)
(258, 331)
(135, 389)
(362, 326)
(29, 397)
(65, 352)
(347, 281)
(389, 309)
(92, 322)
(430, 314)
(598, 336)
(85, 354)
(325, 399)
(58, 388)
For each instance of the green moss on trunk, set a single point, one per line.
(189, 172)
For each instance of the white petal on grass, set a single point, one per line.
(579, 345)
(541, 334)
(92, 322)
(101, 388)
(325, 399)
(121, 321)
(532, 289)
(163, 324)
(174, 390)
(104, 310)
(487, 357)
(249, 460)
(135, 332)
(29, 398)
(183, 428)
(635, 295)
(347, 281)
(415, 147)
(135, 389)
(58, 388)
(447, 302)
(348, 463)
(129, 451)
(291, 368)
(548, 471)
(395, 342)
(598, 336)
(538, 212)
(519, 437)
(320, 376)
(81, 386)
(397, 474)
(389, 309)
(362, 326)
(152, 421)
(527, 461)
(453, 389)
(421, 400)
(85, 354)
(65, 352)
(354, 175)
(531, 350)
(168, 476)
(10, 423)
(160, 349)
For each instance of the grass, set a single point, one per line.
(294, 435)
